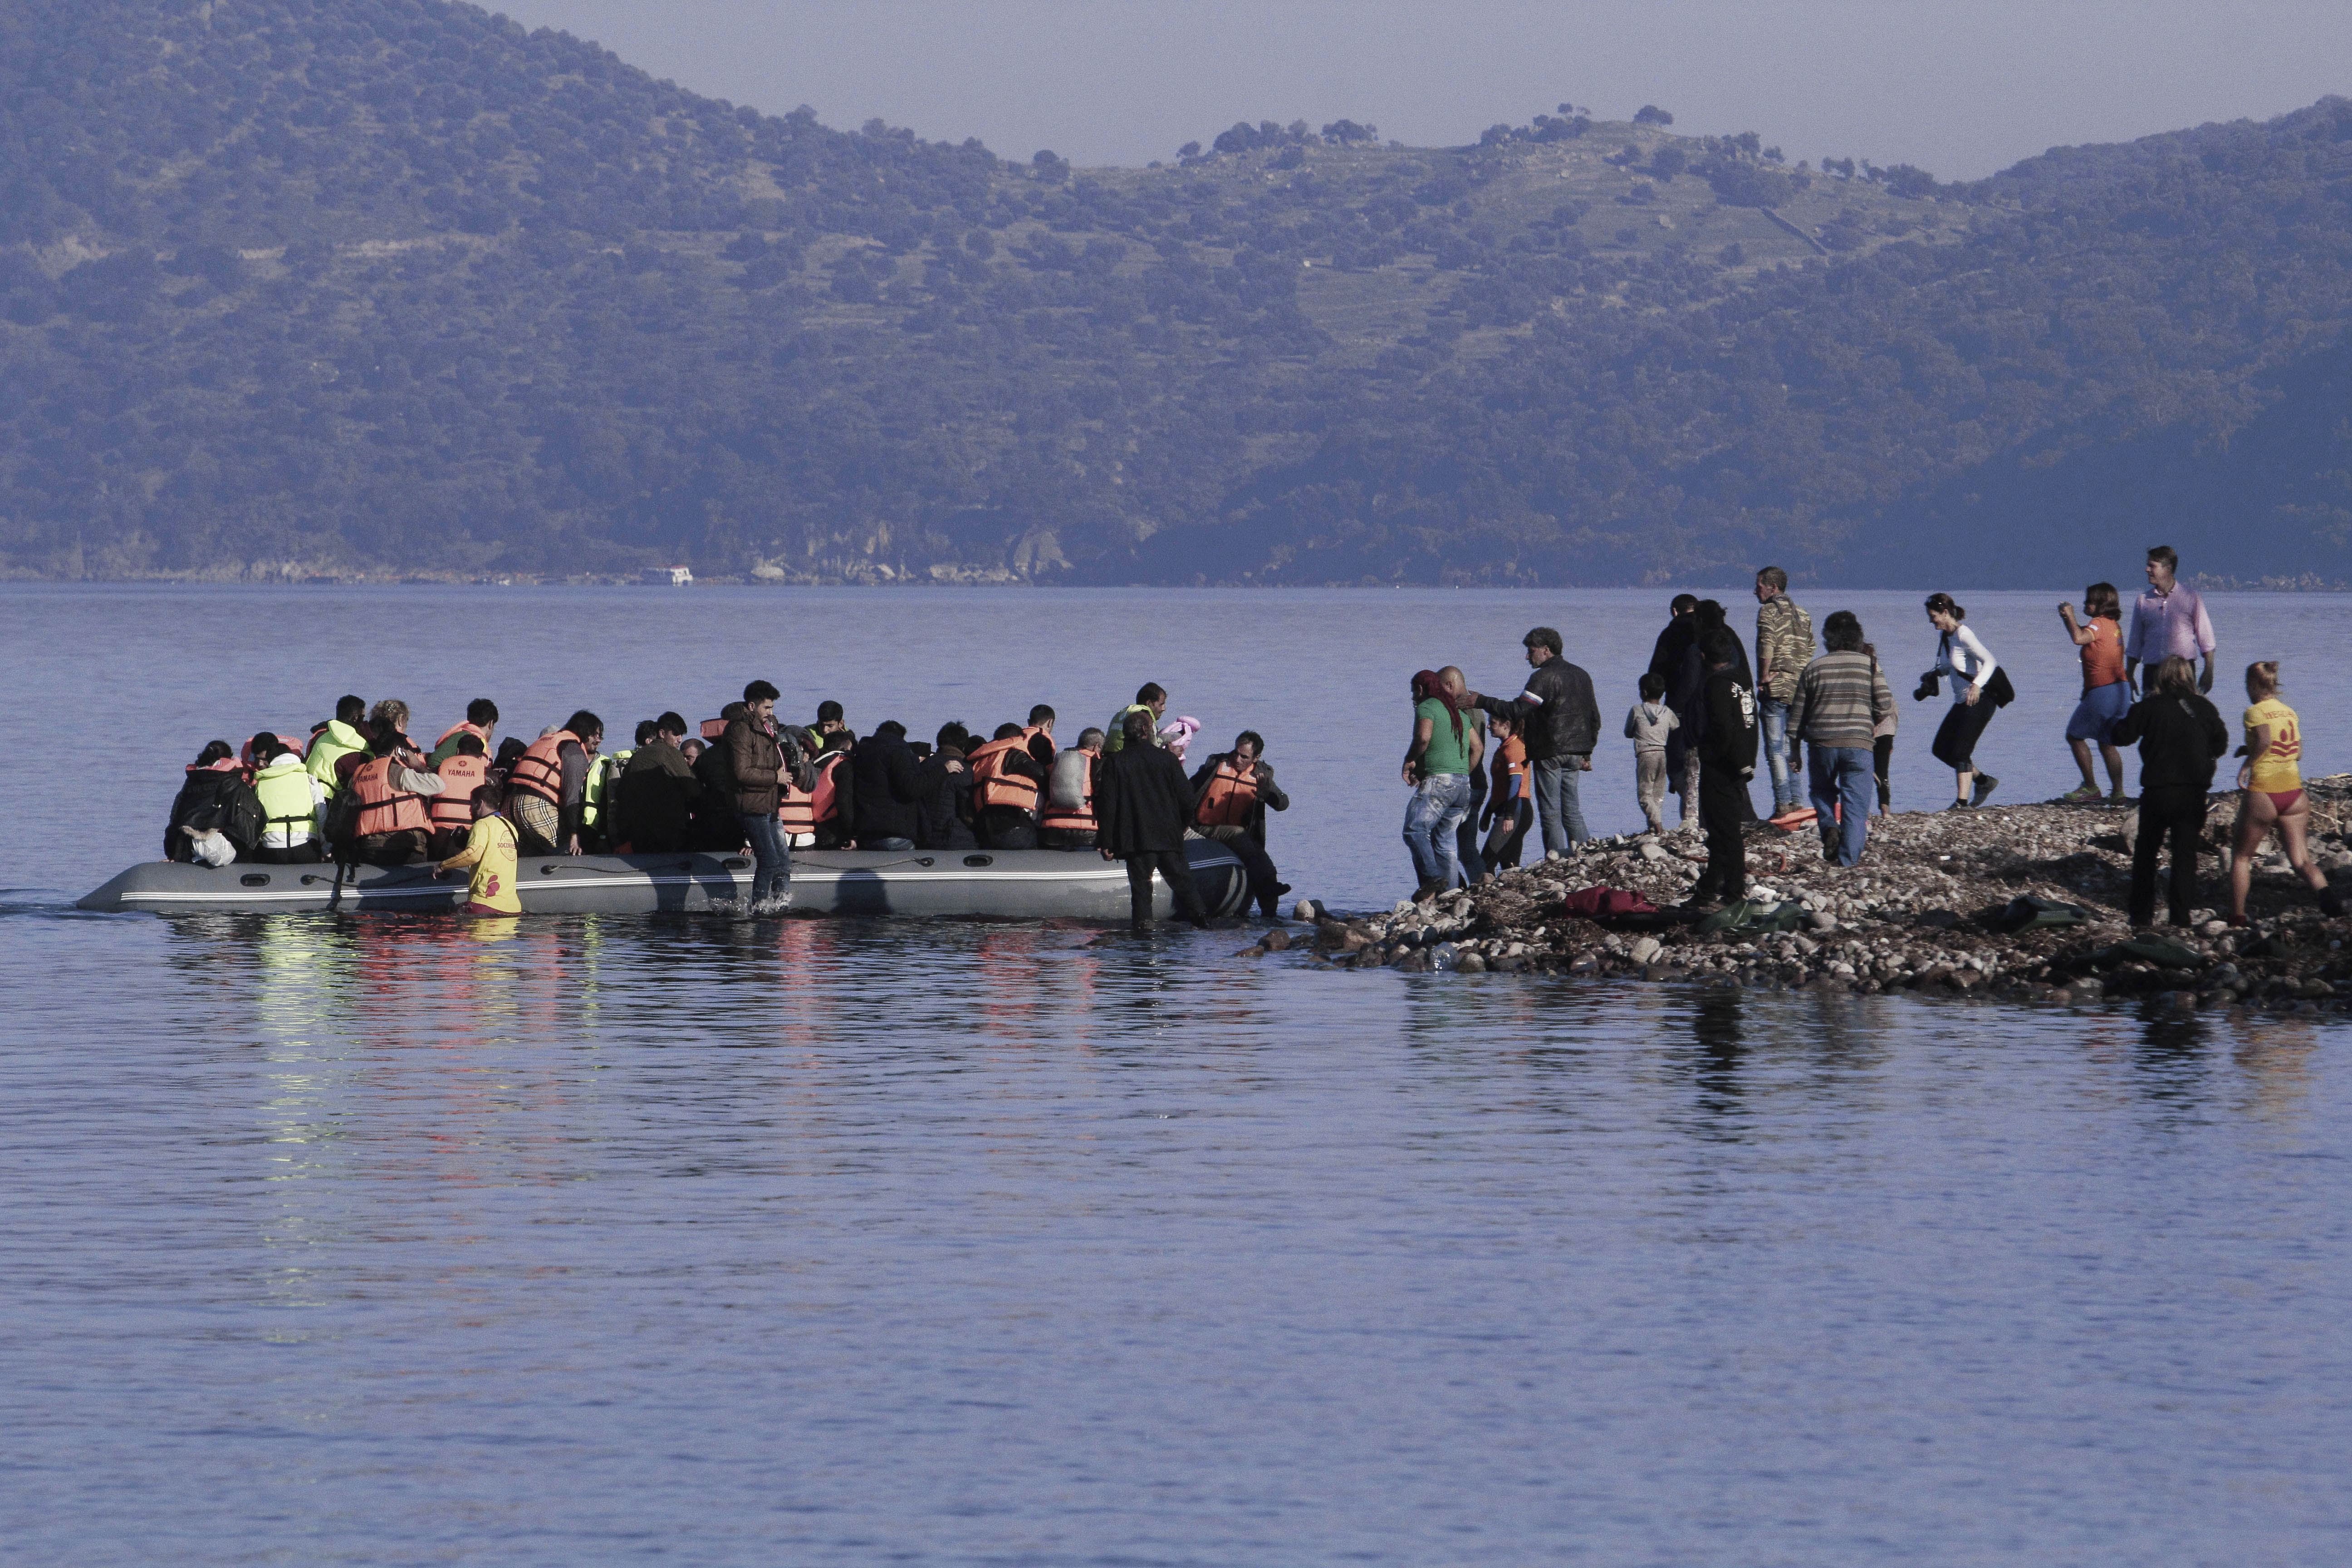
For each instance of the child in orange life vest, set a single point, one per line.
(490, 852)
(1509, 806)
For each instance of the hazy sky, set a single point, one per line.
(1961, 90)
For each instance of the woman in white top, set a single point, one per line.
(1971, 665)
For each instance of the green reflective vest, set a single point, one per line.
(592, 788)
(1115, 733)
(337, 740)
(284, 787)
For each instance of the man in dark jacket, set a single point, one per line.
(755, 765)
(1142, 803)
(1008, 827)
(943, 790)
(2180, 735)
(653, 804)
(1242, 777)
(888, 791)
(1667, 659)
(1559, 723)
(1727, 761)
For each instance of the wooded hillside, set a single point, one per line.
(295, 287)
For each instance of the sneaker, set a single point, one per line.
(1960, 806)
(2117, 796)
(1985, 784)
(2081, 793)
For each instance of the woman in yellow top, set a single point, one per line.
(490, 851)
(2272, 780)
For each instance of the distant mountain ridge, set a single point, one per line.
(305, 287)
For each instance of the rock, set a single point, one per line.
(1251, 952)
(1444, 954)
(1653, 850)
(1821, 919)
(1276, 941)
(1307, 910)
(1644, 950)
(1356, 939)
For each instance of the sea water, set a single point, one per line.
(381, 1239)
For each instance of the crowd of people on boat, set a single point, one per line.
(357, 789)
(1823, 721)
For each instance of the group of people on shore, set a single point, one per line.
(1825, 720)
(357, 790)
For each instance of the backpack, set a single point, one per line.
(341, 828)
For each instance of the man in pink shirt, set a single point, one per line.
(2165, 620)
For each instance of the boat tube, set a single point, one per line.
(1009, 884)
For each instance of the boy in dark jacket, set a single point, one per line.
(1727, 761)
(943, 788)
(887, 789)
(214, 798)
(2180, 735)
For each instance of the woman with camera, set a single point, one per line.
(1980, 688)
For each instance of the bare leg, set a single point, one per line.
(1966, 783)
(2115, 761)
(2293, 829)
(2083, 760)
(2256, 817)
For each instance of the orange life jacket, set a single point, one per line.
(382, 808)
(997, 786)
(453, 807)
(714, 728)
(539, 770)
(825, 805)
(1231, 797)
(795, 812)
(460, 728)
(1079, 819)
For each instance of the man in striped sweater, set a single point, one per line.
(1841, 700)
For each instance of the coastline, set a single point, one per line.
(1925, 911)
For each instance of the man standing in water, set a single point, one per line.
(2168, 620)
(1142, 805)
(1560, 723)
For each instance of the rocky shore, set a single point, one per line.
(1931, 908)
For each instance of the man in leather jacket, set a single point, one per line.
(1559, 723)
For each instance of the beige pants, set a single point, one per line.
(1650, 787)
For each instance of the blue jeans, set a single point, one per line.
(771, 877)
(1555, 780)
(1772, 734)
(1842, 778)
(1432, 818)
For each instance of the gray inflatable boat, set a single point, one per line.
(1015, 884)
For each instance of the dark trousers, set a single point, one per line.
(2179, 812)
(1509, 836)
(301, 855)
(1262, 877)
(1466, 838)
(1065, 838)
(390, 848)
(1007, 827)
(1956, 736)
(1721, 794)
(1882, 755)
(1173, 869)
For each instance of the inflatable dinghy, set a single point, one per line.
(1009, 884)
